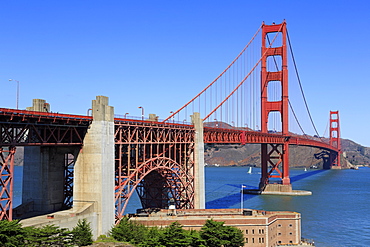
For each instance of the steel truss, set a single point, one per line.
(240, 136)
(69, 163)
(26, 128)
(30, 128)
(157, 160)
(6, 183)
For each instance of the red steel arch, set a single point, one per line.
(147, 149)
(178, 184)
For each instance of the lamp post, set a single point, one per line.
(216, 122)
(142, 112)
(17, 91)
(173, 118)
(241, 199)
(126, 114)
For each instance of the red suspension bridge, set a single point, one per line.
(163, 159)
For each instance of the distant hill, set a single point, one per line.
(299, 156)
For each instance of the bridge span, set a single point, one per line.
(69, 163)
(90, 166)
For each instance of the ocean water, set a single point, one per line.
(336, 214)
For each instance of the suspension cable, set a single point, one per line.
(241, 82)
(296, 119)
(223, 72)
(290, 104)
(300, 85)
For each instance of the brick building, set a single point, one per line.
(260, 228)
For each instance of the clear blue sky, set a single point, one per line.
(159, 54)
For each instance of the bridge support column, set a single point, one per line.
(275, 155)
(335, 140)
(94, 169)
(198, 162)
(43, 180)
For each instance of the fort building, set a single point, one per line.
(260, 228)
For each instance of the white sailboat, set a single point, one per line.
(305, 169)
(250, 170)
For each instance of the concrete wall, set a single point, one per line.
(66, 219)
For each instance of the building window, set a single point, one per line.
(279, 225)
(253, 240)
(290, 233)
(290, 241)
(279, 233)
(246, 240)
(246, 231)
(263, 231)
(290, 225)
(252, 231)
(263, 240)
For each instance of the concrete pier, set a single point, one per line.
(93, 180)
(94, 170)
(277, 189)
(43, 185)
(199, 192)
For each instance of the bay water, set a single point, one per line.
(336, 214)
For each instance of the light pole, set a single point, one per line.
(126, 114)
(241, 199)
(17, 91)
(216, 122)
(142, 112)
(173, 118)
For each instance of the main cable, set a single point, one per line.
(290, 104)
(300, 85)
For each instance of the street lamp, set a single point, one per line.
(241, 199)
(17, 91)
(173, 118)
(216, 122)
(126, 114)
(142, 112)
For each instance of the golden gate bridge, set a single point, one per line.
(162, 159)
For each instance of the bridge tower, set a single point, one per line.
(335, 139)
(274, 155)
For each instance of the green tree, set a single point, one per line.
(235, 237)
(196, 240)
(49, 235)
(82, 233)
(129, 231)
(152, 238)
(215, 234)
(175, 236)
(11, 233)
